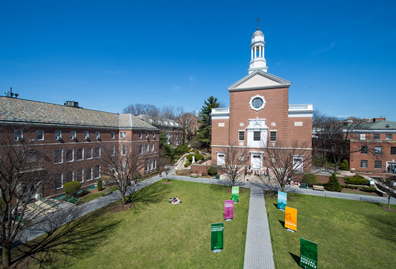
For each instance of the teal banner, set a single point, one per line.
(216, 236)
(308, 254)
(282, 200)
(235, 194)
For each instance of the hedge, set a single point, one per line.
(198, 157)
(333, 184)
(356, 180)
(368, 189)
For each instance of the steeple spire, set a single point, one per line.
(257, 61)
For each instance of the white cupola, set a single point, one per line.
(257, 61)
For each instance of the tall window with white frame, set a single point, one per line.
(40, 135)
(58, 156)
(273, 136)
(256, 136)
(18, 135)
(241, 135)
(363, 164)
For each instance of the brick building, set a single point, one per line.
(259, 114)
(373, 146)
(73, 137)
(172, 129)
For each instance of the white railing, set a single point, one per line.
(220, 110)
(300, 107)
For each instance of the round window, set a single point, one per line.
(257, 102)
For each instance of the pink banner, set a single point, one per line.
(228, 209)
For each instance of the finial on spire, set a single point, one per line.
(257, 23)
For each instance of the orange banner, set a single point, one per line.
(291, 218)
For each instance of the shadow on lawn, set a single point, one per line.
(383, 226)
(63, 240)
(282, 223)
(295, 258)
(154, 193)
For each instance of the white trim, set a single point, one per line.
(300, 115)
(254, 97)
(220, 117)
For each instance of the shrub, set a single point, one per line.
(369, 189)
(187, 163)
(196, 151)
(203, 174)
(212, 171)
(72, 187)
(99, 185)
(356, 180)
(333, 184)
(181, 149)
(310, 179)
(198, 157)
(344, 165)
(350, 187)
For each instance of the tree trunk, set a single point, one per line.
(283, 188)
(6, 256)
(122, 199)
(389, 198)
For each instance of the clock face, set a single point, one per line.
(257, 102)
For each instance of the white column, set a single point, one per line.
(254, 51)
(261, 53)
(251, 50)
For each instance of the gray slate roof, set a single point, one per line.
(14, 110)
(379, 125)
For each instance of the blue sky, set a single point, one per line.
(339, 55)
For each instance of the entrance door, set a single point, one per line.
(220, 158)
(256, 161)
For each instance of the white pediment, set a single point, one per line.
(259, 80)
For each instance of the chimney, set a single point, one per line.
(379, 119)
(71, 104)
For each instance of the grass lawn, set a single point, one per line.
(350, 234)
(157, 234)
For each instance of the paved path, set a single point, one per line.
(258, 248)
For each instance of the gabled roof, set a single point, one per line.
(15, 110)
(259, 80)
(160, 122)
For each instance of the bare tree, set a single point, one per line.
(135, 109)
(286, 160)
(164, 165)
(24, 172)
(332, 138)
(124, 165)
(234, 162)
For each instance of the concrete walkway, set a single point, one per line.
(258, 248)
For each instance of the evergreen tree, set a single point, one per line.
(204, 131)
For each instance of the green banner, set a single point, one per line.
(235, 194)
(216, 236)
(308, 254)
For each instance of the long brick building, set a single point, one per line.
(73, 137)
(260, 114)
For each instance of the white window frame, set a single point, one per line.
(97, 135)
(147, 147)
(276, 135)
(379, 137)
(388, 137)
(123, 150)
(363, 161)
(152, 147)
(140, 135)
(141, 149)
(82, 175)
(153, 135)
(42, 134)
(61, 156)
(96, 177)
(72, 155)
(86, 135)
(375, 164)
(239, 135)
(147, 135)
(254, 135)
(112, 135)
(378, 150)
(362, 136)
(61, 181)
(90, 174)
(100, 152)
(82, 154)
(89, 150)
(73, 135)
(112, 149)
(72, 176)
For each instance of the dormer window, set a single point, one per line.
(147, 135)
(140, 135)
(73, 135)
(58, 135)
(18, 135)
(86, 135)
(97, 135)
